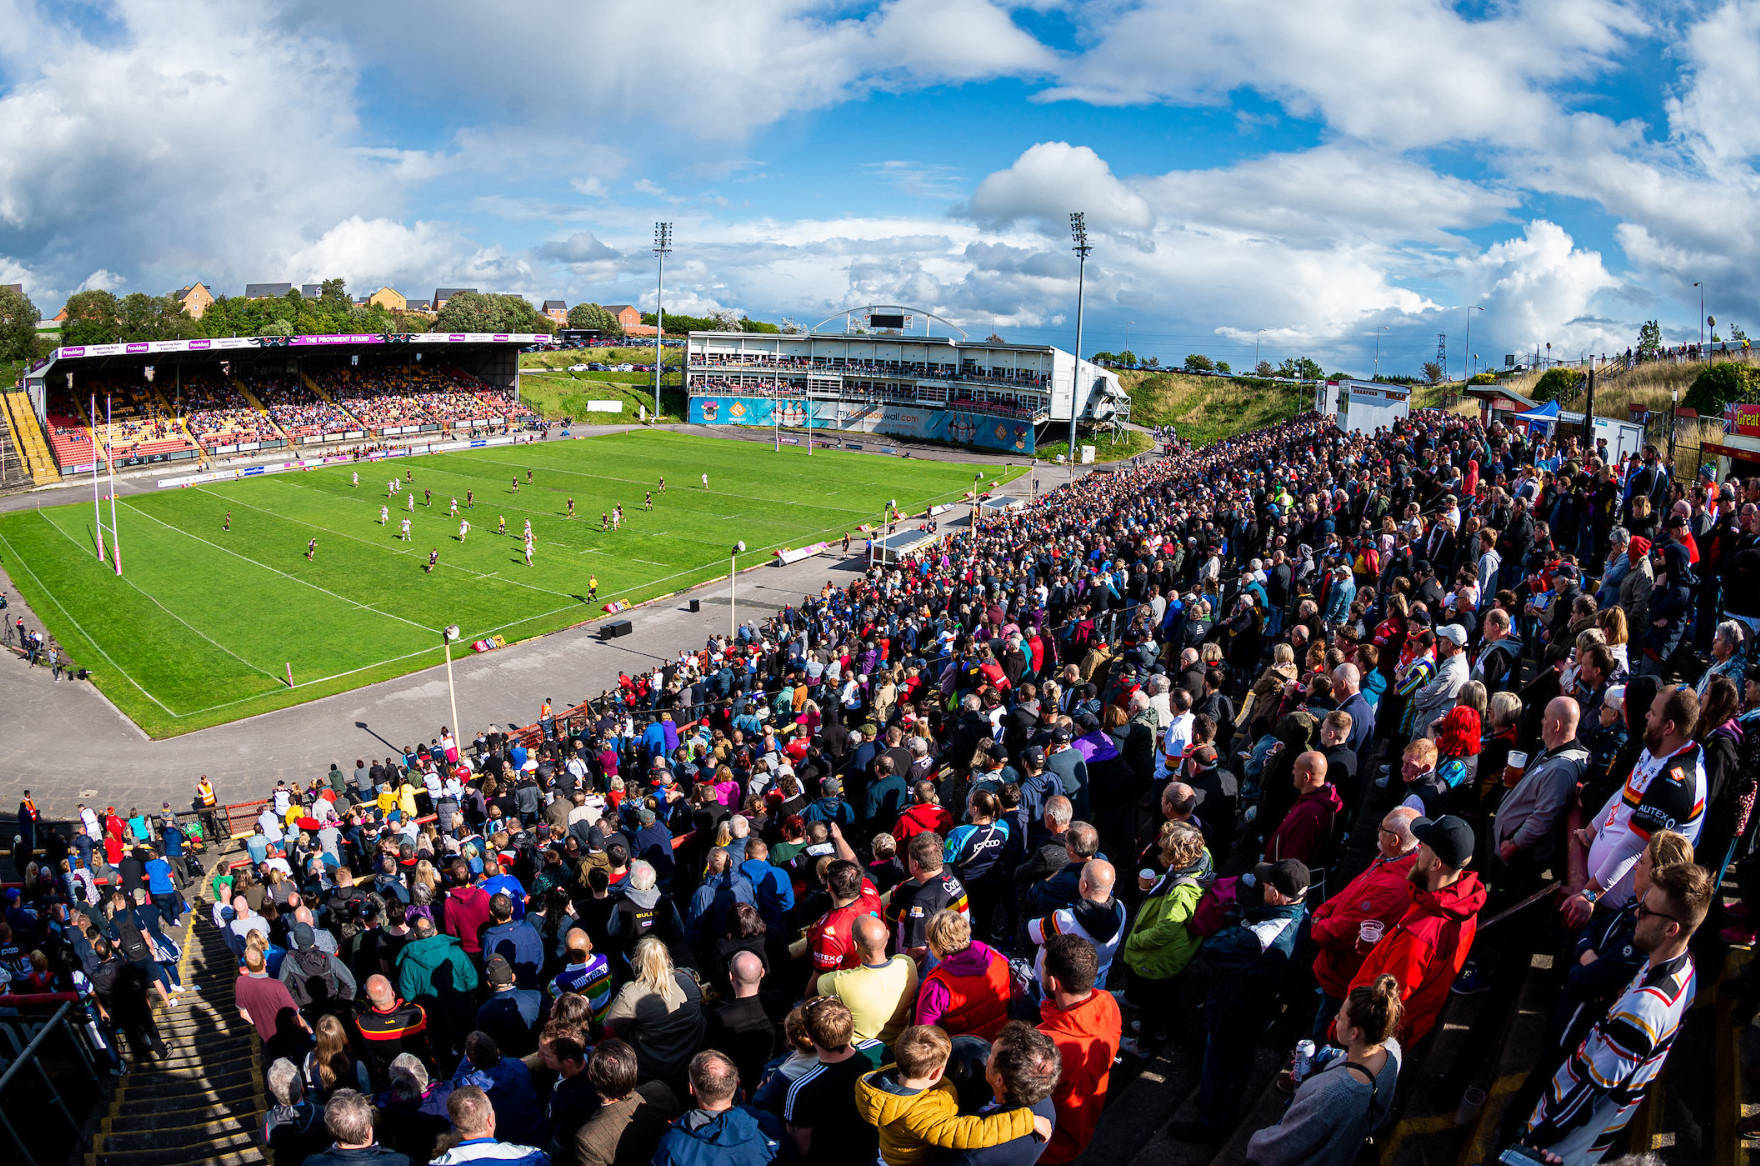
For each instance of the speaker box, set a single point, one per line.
(696, 605)
(614, 629)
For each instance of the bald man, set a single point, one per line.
(1305, 834)
(1380, 894)
(389, 1027)
(741, 1027)
(881, 991)
(1097, 916)
(1530, 819)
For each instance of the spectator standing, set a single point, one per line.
(820, 1110)
(1380, 895)
(348, 1119)
(660, 1013)
(969, 989)
(717, 1132)
(631, 1119)
(1097, 917)
(880, 991)
(1085, 1024)
(473, 1134)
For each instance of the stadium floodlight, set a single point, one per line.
(449, 634)
(732, 573)
(1078, 230)
(662, 248)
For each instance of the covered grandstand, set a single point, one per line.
(882, 369)
(172, 400)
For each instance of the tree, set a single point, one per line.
(1557, 384)
(1152, 362)
(1301, 368)
(1263, 369)
(1721, 385)
(1433, 372)
(993, 338)
(92, 318)
(1222, 367)
(1128, 358)
(590, 316)
(1198, 362)
(476, 312)
(1649, 340)
(18, 325)
(726, 320)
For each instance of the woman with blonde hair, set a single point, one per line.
(1614, 631)
(1267, 691)
(660, 1013)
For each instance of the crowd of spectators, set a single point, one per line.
(763, 362)
(1234, 746)
(217, 414)
(295, 407)
(392, 395)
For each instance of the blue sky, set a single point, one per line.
(1303, 178)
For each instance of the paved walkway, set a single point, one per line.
(70, 744)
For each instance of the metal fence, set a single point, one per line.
(51, 1084)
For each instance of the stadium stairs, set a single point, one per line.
(328, 399)
(27, 439)
(251, 399)
(204, 1103)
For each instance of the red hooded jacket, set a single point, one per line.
(1306, 831)
(1087, 1039)
(1426, 949)
(1382, 892)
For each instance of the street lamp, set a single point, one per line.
(1376, 375)
(1465, 356)
(1673, 423)
(1700, 284)
(1078, 230)
(732, 572)
(662, 248)
(446, 638)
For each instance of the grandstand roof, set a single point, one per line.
(266, 291)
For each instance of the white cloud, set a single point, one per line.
(1404, 75)
(1050, 180)
(1714, 112)
(1541, 288)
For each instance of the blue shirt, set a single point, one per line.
(1022, 1151)
(159, 877)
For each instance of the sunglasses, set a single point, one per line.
(1644, 912)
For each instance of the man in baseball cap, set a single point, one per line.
(1429, 945)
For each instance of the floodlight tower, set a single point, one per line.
(662, 248)
(1078, 229)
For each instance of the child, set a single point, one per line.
(917, 1109)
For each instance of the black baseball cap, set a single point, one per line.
(1450, 837)
(1289, 876)
(498, 971)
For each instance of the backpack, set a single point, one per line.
(1216, 907)
(130, 942)
(314, 981)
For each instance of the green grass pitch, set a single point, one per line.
(202, 625)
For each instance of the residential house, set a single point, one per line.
(195, 299)
(390, 299)
(556, 310)
(419, 307)
(266, 291)
(442, 294)
(629, 318)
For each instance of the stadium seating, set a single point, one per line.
(299, 411)
(397, 396)
(216, 415)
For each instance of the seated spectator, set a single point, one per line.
(969, 989)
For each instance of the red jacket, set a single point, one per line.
(1306, 831)
(920, 817)
(1426, 949)
(467, 913)
(1087, 1039)
(1382, 892)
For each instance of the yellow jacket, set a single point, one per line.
(911, 1126)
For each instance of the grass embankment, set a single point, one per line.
(1205, 410)
(547, 385)
(1106, 448)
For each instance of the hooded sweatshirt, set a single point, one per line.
(733, 1137)
(467, 914)
(912, 1123)
(1306, 831)
(968, 992)
(435, 966)
(1087, 1037)
(1426, 950)
(1382, 892)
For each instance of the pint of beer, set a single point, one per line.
(1514, 768)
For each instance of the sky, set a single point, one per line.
(1341, 180)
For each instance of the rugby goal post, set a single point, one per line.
(98, 524)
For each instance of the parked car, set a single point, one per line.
(577, 368)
